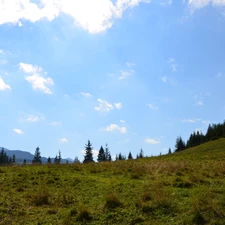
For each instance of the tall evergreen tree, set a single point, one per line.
(88, 157)
(107, 153)
(169, 151)
(76, 160)
(130, 156)
(180, 145)
(101, 155)
(59, 157)
(49, 160)
(14, 159)
(141, 155)
(37, 156)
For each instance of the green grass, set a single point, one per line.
(182, 188)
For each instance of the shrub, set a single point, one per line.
(112, 201)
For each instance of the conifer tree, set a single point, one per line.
(180, 145)
(88, 157)
(101, 155)
(37, 156)
(49, 160)
(169, 151)
(76, 160)
(141, 155)
(14, 159)
(107, 153)
(130, 156)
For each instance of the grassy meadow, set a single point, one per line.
(182, 188)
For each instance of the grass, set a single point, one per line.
(182, 188)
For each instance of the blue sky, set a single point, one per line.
(131, 73)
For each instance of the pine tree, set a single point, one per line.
(14, 159)
(37, 156)
(130, 156)
(141, 155)
(59, 157)
(169, 151)
(88, 158)
(107, 153)
(56, 160)
(24, 162)
(76, 160)
(49, 160)
(101, 155)
(180, 145)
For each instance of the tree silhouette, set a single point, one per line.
(37, 156)
(88, 157)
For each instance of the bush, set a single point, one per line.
(112, 201)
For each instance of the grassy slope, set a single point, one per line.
(183, 188)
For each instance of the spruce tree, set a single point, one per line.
(76, 160)
(130, 156)
(88, 157)
(180, 145)
(14, 159)
(107, 153)
(101, 155)
(169, 151)
(141, 155)
(49, 160)
(37, 156)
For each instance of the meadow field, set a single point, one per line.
(182, 188)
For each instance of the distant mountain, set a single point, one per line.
(21, 155)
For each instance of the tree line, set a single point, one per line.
(5, 159)
(214, 132)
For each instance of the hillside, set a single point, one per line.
(181, 188)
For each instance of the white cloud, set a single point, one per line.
(54, 123)
(189, 121)
(94, 16)
(151, 106)
(200, 102)
(104, 106)
(32, 119)
(220, 75)
(1, 51)
(3, 61)
(40, 83)
(122, 121)
(115, 127)
(166, 2)
(28, 68)
(173, 64)
(125, 74)
(87, 95)
(63, 140)
(3, 85)
(164, 79)
(18, 131)
(118, 105)
(202, 3)
(152, 141)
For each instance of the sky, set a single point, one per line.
(131, 73)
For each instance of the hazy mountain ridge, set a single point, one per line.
(21, 155)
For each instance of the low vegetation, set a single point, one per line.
(180, 188)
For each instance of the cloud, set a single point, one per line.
(32, 118)
(18, 131)
(93, 16)
(118, 105)
(173, 64)
(115, 127)
(36, 80)
(220, 75)
(202, 3)
(63, 140)
(87, 95)
(3, 61)
(152, 141)
(1, 51)
(54, 123)
(200, 102)
(28, 68)
(125, 74)
(189, 121)
(3, 85)
(151, 106)
(164, 79)
(122, 121)
(40, 83)
(166, 2)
